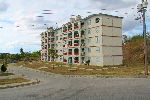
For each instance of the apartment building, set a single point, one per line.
(97, 38)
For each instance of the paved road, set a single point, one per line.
(57, 87)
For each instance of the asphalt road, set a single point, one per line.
(57, 87)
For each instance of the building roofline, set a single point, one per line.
(100, 14)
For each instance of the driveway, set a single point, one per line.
(58, 87)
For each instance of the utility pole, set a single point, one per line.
(142, 9)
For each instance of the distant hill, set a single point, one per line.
(133, 50)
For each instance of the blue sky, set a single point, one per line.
(23, 13)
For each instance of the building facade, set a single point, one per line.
(97, 38)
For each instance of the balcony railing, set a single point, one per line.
(82, 44)
(65, 53)
(70, 37)
(65, 30)
(52, 35)
(76, 53)
(69, 45)
(52, 41)
(76, 61)
(76, 44)
(76, 36)
(69, 28)
(75, 27)
(64, 60)
(69, 53)
(65, 38)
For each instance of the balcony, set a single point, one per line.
(65, 38)
(64, 60)
(69, 27)
(76, 61)
(52, 41)
(82, 24)
(82, 44)
(52, 35)
(70, 35)
(69, 45)
(76, 53)
(64, 29)
(65, 53)
(82, 53)
(76, 26)
(76, 44)
(69, 53)
(76, 36)
(82, 36)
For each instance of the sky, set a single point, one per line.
(21, 26)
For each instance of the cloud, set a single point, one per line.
(111, 4)
(3, 6)
(23, 14)
(30, 23)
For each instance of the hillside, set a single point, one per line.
(133, 50)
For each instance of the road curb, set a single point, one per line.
(105, 76)
(32, 82)
(88, 76)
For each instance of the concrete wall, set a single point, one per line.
(59, 44)
(112, 41)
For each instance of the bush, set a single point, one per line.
(3, 68)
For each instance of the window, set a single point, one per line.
(56, 38)
(89, 31)
(97, 20)
(89, 22)
(89, 40)
(56, 45)
(89, 49)
(97, 30)
(98, 49)
(97, 59)
(89, 58)
(97, 39)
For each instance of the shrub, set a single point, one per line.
(3, 68)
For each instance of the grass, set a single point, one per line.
(14, 80)
(59, 68)
(6, 74)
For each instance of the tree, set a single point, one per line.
(52, 53)
(35, 55)
(21, 51)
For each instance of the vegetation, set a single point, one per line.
(6, 74)
(14, 80)
(52, 53)
(133, 50)
(59, 68)
(22, 56)
(3, 68)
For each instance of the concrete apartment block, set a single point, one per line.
(97, 38)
